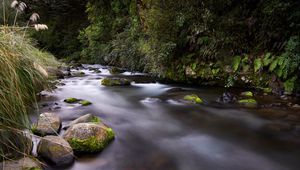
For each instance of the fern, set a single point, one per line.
(258, 64)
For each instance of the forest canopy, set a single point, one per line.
(227, 41)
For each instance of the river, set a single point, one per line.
(156, 131)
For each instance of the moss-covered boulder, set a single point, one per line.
(115, 70)
(84, 119)
(85, 102)
(21, 164)
(47, 124)
(115, 82)
(251, 103)
(193, 98)
(89, 137)
(247, 94)
(55, 150)
(71, 100)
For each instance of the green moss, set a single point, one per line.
(247, 94)
(115, 82)
(115, 70)
(193, 98)
(251, 103)
(34, 129)
(91, 145)
(71, 100)
(85, 103)
(96, 119)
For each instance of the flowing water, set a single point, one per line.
(155, 130)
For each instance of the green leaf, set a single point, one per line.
(267, 59)
(257, 64)
(236, 63)
(273, 65)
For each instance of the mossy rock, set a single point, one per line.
(84, 119)
(89, 137)
(247, 94)
(115, 82)
(252, 103)
(115, 70)
(85, 102)
(267, 90)
(71, 100)
(193, 98)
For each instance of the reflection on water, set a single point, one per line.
(156, 131)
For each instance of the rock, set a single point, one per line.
(115, 70)
(89, 137)
(97, 71)
(193, 98)
(115, 82)
(78, 74)
(85, 103)
(247, 94)
(267, 90)
(54, 72)
(21, 164)
(71, 100)
(296, 106)
(55, 150)
(47, 124)
(251, 103)
(227, 98)
(84, 119)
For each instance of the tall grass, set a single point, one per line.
(22, 76)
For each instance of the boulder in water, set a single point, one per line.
(115, 70)
(89, 137)
(85, 103)
(227, 98)
(193, 98)
(71, 100)
(55, 150)
(84, 119)
(115, 82)
(47, 124)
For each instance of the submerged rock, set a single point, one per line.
(85, 103)
(193, 98)
(89, 137)
(115, 82)
(55, 150)
(71, 100)
(47, 124)
(84, 119)
(251, 103)
(227, 98)
(21, 164)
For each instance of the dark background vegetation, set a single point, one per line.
(231, 42)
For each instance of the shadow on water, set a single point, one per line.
(156, 131)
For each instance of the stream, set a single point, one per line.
(155, 130)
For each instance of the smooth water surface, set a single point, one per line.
(155, 130)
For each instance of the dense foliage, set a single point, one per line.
(230, 41)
